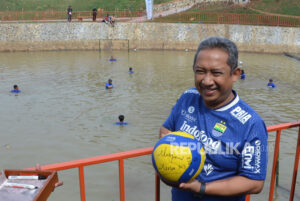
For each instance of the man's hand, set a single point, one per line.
(193, 186)
(163, 131)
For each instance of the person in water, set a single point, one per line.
(109, 84)
(16, 89)
(121, 120)
(130, 70)
(112, 59)
(271, 84)
(243, 75)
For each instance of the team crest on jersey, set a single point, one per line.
(219, 129)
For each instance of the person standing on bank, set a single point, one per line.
(69, 10)
(232, 133)
(94, 14)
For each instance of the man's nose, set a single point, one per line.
(207, 80)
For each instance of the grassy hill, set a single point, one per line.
(81, 5)
(286, 7)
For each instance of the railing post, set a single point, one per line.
(121, 180)
(274, 165)
(82, 186)
(157, 187)
(295, 168)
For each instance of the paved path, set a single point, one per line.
(162, 14)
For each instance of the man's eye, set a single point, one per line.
(198, 71)
(217, 73)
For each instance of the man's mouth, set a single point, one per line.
(208, 91)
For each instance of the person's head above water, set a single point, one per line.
(215, 70)
(121, 118)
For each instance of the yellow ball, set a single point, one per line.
(178, 157)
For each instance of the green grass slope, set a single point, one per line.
(86, 5)
(286, 7)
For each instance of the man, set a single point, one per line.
(94, 14)
(130, 70)
(232, 133)
(271, 84)
(109, 84)
(69, 10)
(121, 120)
(16, 89)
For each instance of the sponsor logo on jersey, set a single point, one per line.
(219, 129)
(211, 146)
(247, 156)
(208, 168)
(240, 114)
(187, 116)
(191, 109)
(257, 156)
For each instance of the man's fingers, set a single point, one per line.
(38, 166)
(60, 183)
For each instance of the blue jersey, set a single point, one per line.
(130, 71)
(272, 85)
(243, 76)
(15, 91)
(234, 138)
(108, 85)
(121, 123)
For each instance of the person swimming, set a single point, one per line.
(112, 59)
(271, 84)
(109, 84)
(130, 70)
(243, 75)
(16, 89)
(121, 120)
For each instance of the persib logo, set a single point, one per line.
(219, 129)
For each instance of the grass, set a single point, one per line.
(286, 7)
(80, 5)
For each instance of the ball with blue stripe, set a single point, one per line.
(178, 157)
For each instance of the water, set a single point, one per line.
(64, 113)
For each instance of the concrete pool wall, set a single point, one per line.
(143, 36)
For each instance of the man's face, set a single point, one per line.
(213, 78)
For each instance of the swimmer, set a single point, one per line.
(130, 70)
(271, 84)
(112, 59)
(109, 84)
(16, 89)
(243, 75)
(121, 120)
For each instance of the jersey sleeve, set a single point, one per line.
(170, 122)
(254, 157)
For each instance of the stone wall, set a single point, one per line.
(146, 36)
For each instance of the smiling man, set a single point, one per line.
(232, 133)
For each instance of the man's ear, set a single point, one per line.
(236, 74)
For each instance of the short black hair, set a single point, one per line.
(221, 43)
(15, 86)
(121, 118)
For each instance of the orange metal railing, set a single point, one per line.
(121, 156)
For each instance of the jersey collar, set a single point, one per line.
(234, 101)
